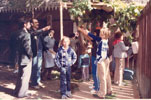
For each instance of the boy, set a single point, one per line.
(65, 58)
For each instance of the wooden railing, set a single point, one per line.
(143, 68)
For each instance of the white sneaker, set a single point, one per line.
(41, 84)
(15, 71)
(36, 87)
(64, 97)
(91, 87)
(68, 94)
(93, 91)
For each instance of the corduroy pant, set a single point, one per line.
(103, 73)
(118, 75)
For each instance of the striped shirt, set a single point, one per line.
(102, 47)
(65, 58)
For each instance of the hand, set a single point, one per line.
(46, 28)
(110, 58)
(63, 69)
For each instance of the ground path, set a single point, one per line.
(80, 90)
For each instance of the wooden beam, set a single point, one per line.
(61, 20)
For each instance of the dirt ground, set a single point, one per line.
(80, 90)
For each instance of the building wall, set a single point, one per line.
(8, 25)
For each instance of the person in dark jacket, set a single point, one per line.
(37, 48)
(25, 59)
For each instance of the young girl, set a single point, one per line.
(65, 58)
(84, 62)
(102, 61)
(120, 54)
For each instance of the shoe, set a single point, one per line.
(100, 97)
(15, 71)
(36, 87)
(64, 97)
(41, 85)
(93, 91)
(26, 95)
(68, 94)
(91, 87)
(109, 94)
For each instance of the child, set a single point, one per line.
(102, 61)
(120, 54)
(65, 58)
(84, 62)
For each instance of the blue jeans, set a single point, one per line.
(65, 77)
(94, 70)
(36, 69)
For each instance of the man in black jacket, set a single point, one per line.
(25, 59)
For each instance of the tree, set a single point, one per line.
(80, 11)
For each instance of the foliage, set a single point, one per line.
(125, 15)
(80, 10)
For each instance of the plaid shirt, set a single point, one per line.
(65, 58)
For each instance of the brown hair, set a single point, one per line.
(118, 35)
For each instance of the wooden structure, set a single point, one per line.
(47, 12)
(143, 68)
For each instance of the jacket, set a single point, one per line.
(24, 47)
(120, 50)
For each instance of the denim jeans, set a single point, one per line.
(36, 69)
(65, 77)
(94, 75)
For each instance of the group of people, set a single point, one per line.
(101, 60)
(30, 46)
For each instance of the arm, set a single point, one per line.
(40, 31)
(79, 62)
(89, 35)
(57, 60)
(51, 51)
(26, 42)
(74, 57)
(123, 47)
(85, 33)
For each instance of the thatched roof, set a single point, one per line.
(42, 5)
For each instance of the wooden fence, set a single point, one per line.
(143, 68)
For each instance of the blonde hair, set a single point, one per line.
(105, 31)
(64, 38)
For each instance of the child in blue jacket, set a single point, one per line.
(65, 58)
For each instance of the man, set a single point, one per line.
(25, 59)
(37, 48)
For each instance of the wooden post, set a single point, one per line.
(61, 20)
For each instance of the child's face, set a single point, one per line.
(65, 42)
(51, 33)
(102, 35)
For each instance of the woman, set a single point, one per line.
(49, 54)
